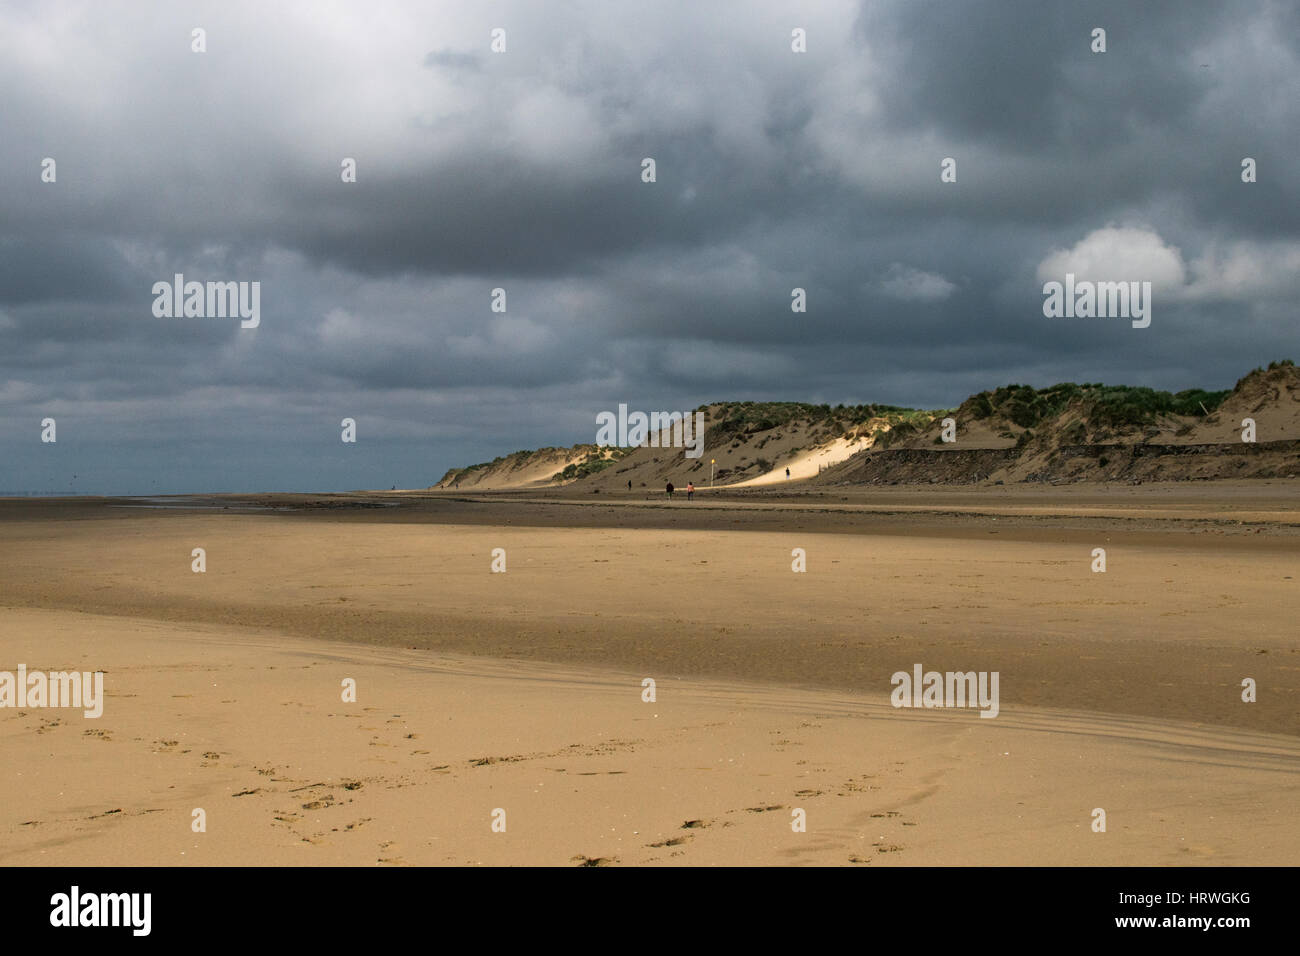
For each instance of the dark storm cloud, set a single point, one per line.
(34, 271)
(522, 171)
(1021, 75)
(1184, 91)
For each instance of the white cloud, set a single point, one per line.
(1246, 270)
(913, 285)
(1118, 254)
(1231, 271)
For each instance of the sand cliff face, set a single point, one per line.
(1102, 435)
(1065, 433)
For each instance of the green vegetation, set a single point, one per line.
(494, 461)
(597, 460)
(1124, 405)
(1103, 406)
(900, 432)
(1075, 433)
(734, 422)
(1273, 367)
(740, 417)
(981, 407)
(582, 469)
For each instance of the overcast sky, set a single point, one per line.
(522, 170)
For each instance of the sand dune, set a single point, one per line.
(1081, 434)
(808, 464)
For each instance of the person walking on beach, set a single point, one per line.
(787, 474)
(629, 484)
(670, 489)
(690, 490)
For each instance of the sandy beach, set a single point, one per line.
(522, 691)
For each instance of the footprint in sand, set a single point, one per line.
(387, 855)
(674, 841)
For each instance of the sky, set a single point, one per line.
(522, 170)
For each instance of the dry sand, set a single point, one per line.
(807, 464)
(522, 691)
